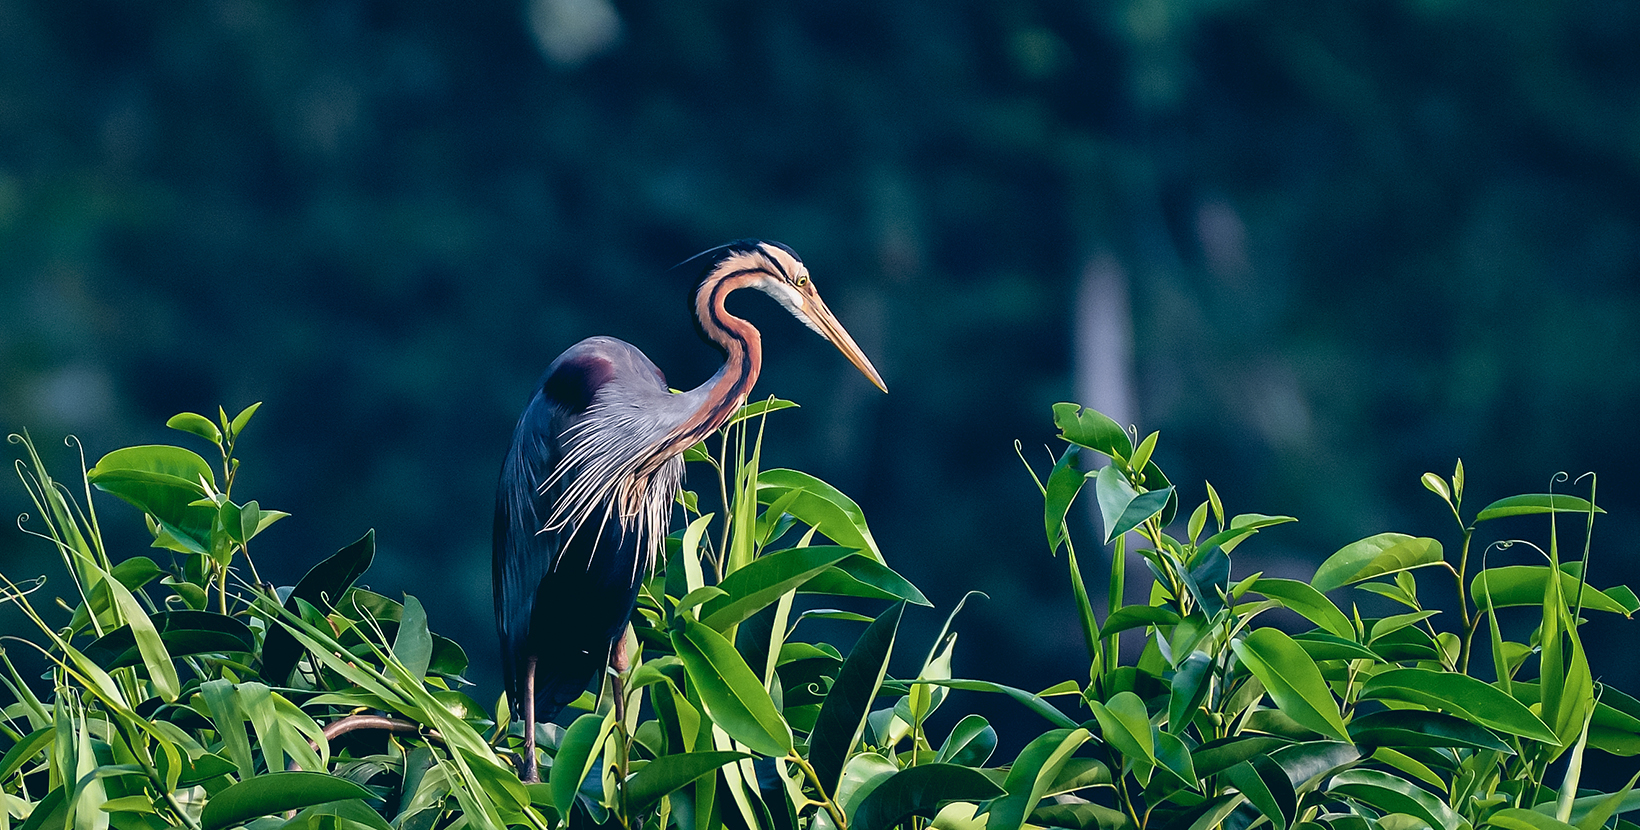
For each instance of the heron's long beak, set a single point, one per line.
(828, 326)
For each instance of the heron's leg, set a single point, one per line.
(528, 772)
(621, 663)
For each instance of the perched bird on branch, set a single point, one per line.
(586, 490)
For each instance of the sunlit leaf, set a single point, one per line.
(1375, 556)
(1532, 504)
(1460, 695)
(733, 695)
(1292, 678)
(1394, 795)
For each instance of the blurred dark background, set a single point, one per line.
(1322, 247)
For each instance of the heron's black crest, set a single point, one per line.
(708, 260)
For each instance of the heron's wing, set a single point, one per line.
(523, 554)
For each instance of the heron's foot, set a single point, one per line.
(528, 772)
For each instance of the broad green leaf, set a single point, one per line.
(413, 644)
(1031, 775)
(1323, 646)
(157, 464)
(578, 753)
(669, 772)
(1092, 429)
(843, 714)
(733, 694)
(1217, 756)
(1375, 556)
(1305, 762)
(1308, 602)
(864, 772)
(921, 791)
(1461, 695)
(1265, 784)
(1516, 585)
(772, 575)
(196, 424)
(330, 578)
(1394, 795)
(352, 814)
(1033, 702)
(275, 792)
(861, 576)
(1411, 727)
(1125, 725)
(1241, 527)
(1136, 616)
(822, 507)
(1534, 503)
(1187, 690)
(970, 743)
(1080, 816)
(1515, 818)
(1122, 508)
(1292, 678)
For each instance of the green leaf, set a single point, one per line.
(734, 696)
(1514, 818)
(1307, 601)
(413, 644)
(1516, 585)
(184, 633)
(24, 750)
(1375, 556)
(1292, 679)
(196, 424)
(1394, 795)
(861, 576)
(822, 507)
(1125, 725)
(1265, 784)
(577, 755)
(1461, 695)
(1064, 483)
(970, 743)
(1217, 756)
(243, 418)
(1305, 762)
(1135, 616)
(275, 792)
(1031, 775)
(769, 577)
(1092, 429)
(921, 791)
(1033, 702)
(1121, 508)
(1323, 646)
(1187, 690)
(843, 714)
(330, 578)
(669, 772)
(1534, 503)
(167, 483)
(1411, 727)
(156, 659)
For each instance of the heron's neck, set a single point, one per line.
(712, 403)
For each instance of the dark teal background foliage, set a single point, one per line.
(1361, 239)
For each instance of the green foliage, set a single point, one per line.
(182, 694)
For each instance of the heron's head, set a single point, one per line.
(776, 270)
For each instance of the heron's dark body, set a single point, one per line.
(564, 596)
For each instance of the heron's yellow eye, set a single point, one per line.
(802, 280)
